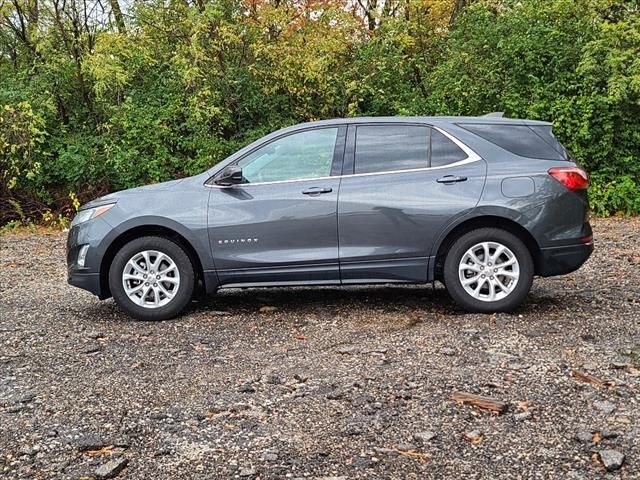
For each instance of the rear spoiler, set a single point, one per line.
(494, 114)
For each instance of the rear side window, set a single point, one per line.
(384, 148)
(443, 150)
(533, 141)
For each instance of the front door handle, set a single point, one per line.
(451, 179)
(317, 190)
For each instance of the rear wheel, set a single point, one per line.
(488, 270)
(152, 278)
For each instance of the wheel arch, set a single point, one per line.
(146, 230)
(484, 221)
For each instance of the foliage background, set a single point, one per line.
(104, 95)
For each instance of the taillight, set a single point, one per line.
(573, 178)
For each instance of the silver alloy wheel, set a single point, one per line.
(489, 271)
(151, 279)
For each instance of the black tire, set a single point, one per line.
(454, 284)
(184, 266)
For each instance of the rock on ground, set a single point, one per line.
(111, 469)
(611, 459)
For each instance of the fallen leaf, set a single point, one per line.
(473, 439)
(268, 309)
(596, 437)
(106, 450)
(479, 401)
(300, 337)
(588, 378)
(421, 457)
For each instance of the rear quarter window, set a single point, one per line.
(443, 150)
(533, 141)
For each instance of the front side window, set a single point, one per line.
(384, 148)
(307, 154)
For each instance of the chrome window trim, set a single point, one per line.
(471, 158)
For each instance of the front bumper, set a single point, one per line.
(565, 259)
(90, 233)
(86, 281)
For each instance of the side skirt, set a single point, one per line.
(404, 270)
(320, 274)
(411, 270)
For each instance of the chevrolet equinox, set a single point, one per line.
(481, 204)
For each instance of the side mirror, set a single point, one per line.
(231, 175)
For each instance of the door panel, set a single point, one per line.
(275, 232)
(388, 221)
(279, 225)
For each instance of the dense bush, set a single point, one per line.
(94, 99)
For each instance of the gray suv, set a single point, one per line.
(480, 203)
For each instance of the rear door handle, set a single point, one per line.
(451, 179)
(317, 190)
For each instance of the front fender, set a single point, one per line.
(198, 238)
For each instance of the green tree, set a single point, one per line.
(97, 96)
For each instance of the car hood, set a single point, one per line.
(145, 189)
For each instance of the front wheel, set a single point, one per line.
(488, 270)
(151, 278)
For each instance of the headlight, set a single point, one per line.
(89, 213)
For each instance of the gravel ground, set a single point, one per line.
(322, 383)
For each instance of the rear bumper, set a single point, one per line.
(565, 259)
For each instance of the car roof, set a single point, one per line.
(429, 120)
